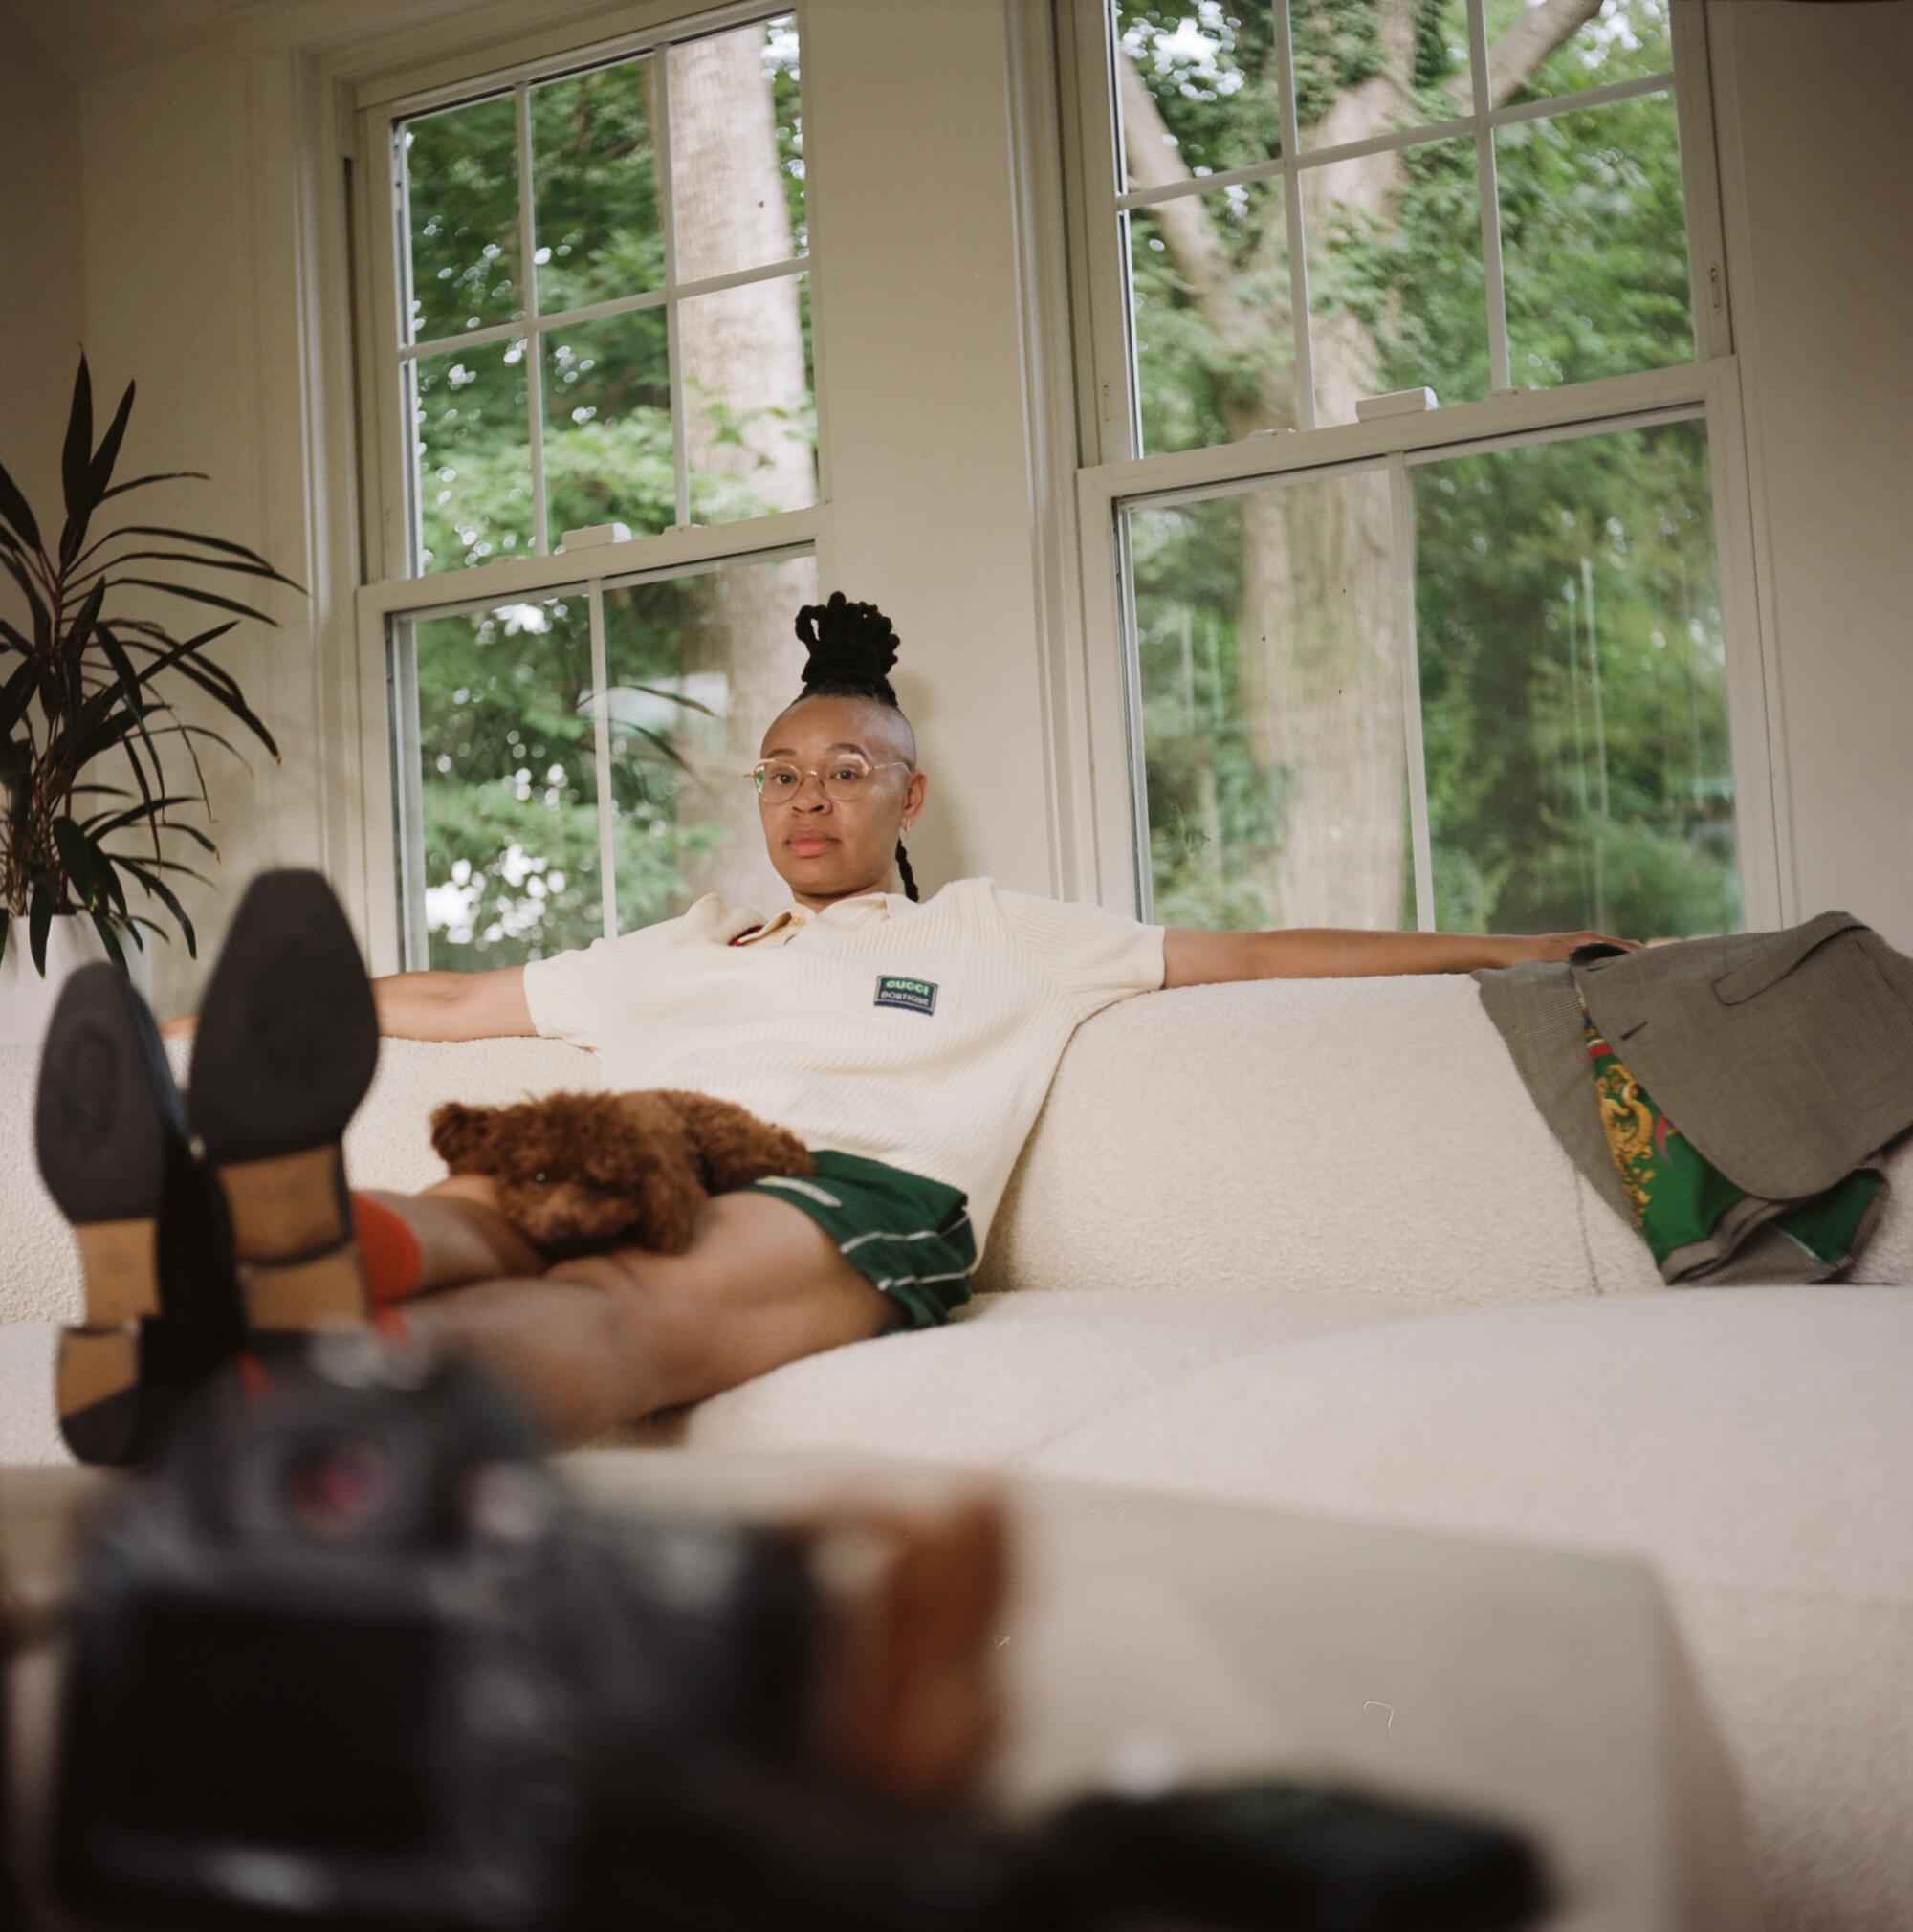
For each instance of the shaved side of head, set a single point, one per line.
(881, 726)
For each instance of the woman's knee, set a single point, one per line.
(472, 1187)
(752, 1293)
(657, 1309)
(592, 1271)
(625, 1272)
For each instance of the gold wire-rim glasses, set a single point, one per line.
(755, 773)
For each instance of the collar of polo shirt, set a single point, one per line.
(860, 909)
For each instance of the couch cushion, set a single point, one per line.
(1755, 1444)
(1651, 1424)
(29, 1426)
(1012, 1373)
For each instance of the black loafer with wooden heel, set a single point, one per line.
(287, 1042)
(161, 1311)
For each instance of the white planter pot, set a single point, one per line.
(27, 1002)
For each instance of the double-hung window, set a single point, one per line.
(592, 418)
(1413, 493)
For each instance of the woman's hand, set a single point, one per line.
(1553, 946)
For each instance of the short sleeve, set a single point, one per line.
(1096, 956)
(578, 995)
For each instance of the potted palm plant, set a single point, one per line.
(92, 816)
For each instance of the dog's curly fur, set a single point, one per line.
(580, 1170)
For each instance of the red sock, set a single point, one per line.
(392, 1327)
(388, 1250)
(256, 1379)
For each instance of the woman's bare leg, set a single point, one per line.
(605, 1339)
(461, 1235)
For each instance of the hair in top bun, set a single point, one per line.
(852, 647)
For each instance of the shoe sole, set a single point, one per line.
(285, 1050)
(107, 1123)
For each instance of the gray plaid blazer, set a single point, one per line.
(1785, 1059)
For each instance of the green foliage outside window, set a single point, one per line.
(1595, 248)
(506, 746)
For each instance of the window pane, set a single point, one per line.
(462, 194)
(1197, 89)
(1594, 242)
(508, 782)
(698, 667)
(1397, 292)
(597, 234)
(607, 452)
(1625, 40)
(1575, 689)
(1214, 342)
(1272, 714)
(736, 151)
(472, 446)
(750, 412)
(1358, 74)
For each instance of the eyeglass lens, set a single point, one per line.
(842, 779)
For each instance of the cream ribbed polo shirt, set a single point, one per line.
(923, 1034)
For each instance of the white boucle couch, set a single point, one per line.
(1308, 1243)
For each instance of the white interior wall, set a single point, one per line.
(189, 272)
(924, 398)
(1818, 185)
(42, 284)
(170, 305)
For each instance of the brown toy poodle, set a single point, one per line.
(582, 1170)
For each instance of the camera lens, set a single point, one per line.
(336, 1489)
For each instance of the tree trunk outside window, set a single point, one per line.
(1321, 653)
(742, 353)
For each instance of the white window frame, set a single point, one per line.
(402, 704)
(378, 101)
(1110, 799)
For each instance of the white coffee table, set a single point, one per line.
(1148, 1638)
(1149, 1634)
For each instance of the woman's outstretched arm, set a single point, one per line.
(483, 1005)
(1191, 957)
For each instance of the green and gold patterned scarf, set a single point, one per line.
(1678, 1197)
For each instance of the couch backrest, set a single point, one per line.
(1361, 1137)
(1357, 1135)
